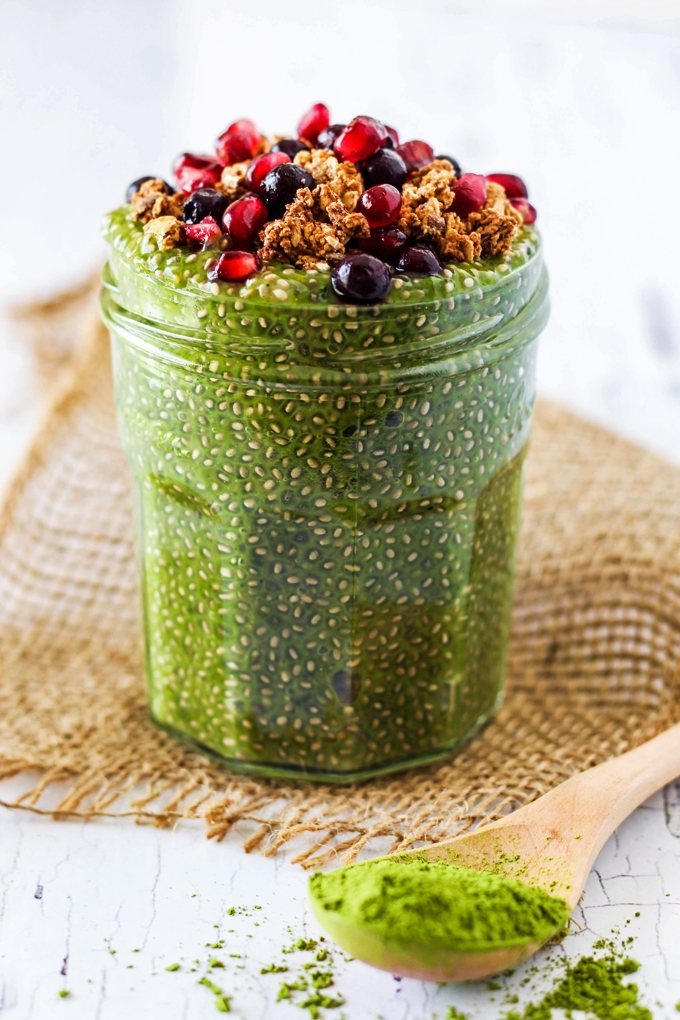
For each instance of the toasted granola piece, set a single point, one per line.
(424, 199)
(496, 232)
(168, 231)
(233, 181)
(349, 224)
(305, 241)
(455, 242)
(152, 200)
(342, 178)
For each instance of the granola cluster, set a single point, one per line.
(337, 192)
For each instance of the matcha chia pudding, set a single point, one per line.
(324, 357)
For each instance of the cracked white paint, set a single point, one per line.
(109, 888)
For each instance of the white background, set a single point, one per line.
(581, 99)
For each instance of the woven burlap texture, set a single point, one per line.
(593, 663)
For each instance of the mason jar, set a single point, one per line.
(327, 499)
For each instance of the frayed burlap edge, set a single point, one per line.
(593, 664)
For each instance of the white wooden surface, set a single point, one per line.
(584, 100)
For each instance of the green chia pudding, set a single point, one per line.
(326, 422)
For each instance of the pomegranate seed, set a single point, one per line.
(415, 154)
(245, 127)
(527, 210)
(234, 265)
(244, 218)
(469, 194)
(193, 171)
(234, 148)
(190, 178)
(385, 244)
(261, 165)
(380, 205)
(204, 232)
(514, 185)
(391, 133)
(360, 139)
(314, 122)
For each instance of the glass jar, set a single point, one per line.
(328, 501)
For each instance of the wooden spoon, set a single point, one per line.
(551, 843)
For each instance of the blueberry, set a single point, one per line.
(419, 260)
(454, 163)
(326, 139)
(384, 167)
(136, 185)
(204, 202)
(361, 277)
(291, 146)
(281, 185)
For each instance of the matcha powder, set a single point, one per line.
(406, 900)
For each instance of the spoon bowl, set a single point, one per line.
(551, 843)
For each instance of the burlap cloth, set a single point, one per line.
(594, 653)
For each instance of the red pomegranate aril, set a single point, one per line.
(191, 178)
(314, 122)
(527, 210)
(196, 161)
(234, 148)
(244, 219)
(246, 127)
(380, 205)
(360, 139)
(386, 244)
(415, 154)
(204, 232)
(394, 135)
(260, 167)
(234, 265)
(514, 185)
(469, 194)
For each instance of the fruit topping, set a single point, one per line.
(514, 185)
(419, 260)
(291, 146)
(314, 122)
(262, 165)
(392, 135)
(204, 233)
(204, 203)
(384, 167)
(193, 171)
(361, 277)
(234, 148)
(454, 163)
(380, 205)
(526, 209)
(386, 244)
(244, 219)
(328, 138)
(415, 154)
(281, 185)
(153, 198)
(234, 265)
(136, 185)
(246, 127)
(469, 194)
(360, 139)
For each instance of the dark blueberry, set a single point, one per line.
(454, 163)
(281, 185)
(361, 277)
(385, 167)
(387, 143)
(386, 244)
(393, 419)
(419, 260)
(136, 185)
(204, 202)
(291, 146)
(326, 139)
